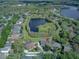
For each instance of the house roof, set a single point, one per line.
(19, 22)
(67, 48)
(45, 41)
(16, 29)
(7, 17)
(15, 36)
(6, 48)
(56, 45)
(29, 45)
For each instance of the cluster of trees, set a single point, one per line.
(67, 32)
(48, 56)
(66, 55)
(69, 55)
(17, 50)
(6, 30)
(12, 9)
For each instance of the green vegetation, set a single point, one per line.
(69, 55)
(66, 55)
(60, 29)
(7, 30)
(48, 56)
(17, 50)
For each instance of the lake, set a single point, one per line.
(35, 22)
(70, 11)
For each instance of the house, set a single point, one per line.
(7, 17)
(55, 45)
(30, 45)
(14, 37)
(67, 47)
(27, 13)
(45, 41)
(6, 49)
(52, 44)
(16, 32)
(16, 29)
(20, 21)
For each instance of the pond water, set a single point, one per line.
(70, 11)
(34, 22)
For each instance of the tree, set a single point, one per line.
(48, 56)
(6, 30)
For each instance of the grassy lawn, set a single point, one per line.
(38, 13)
